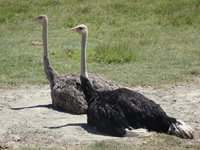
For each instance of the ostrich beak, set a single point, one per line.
(36, 18)
(72, 29)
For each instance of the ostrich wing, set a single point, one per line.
(123, 108)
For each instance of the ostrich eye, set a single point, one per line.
(80, 28)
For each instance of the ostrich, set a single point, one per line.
(66, 92)
(114, 112)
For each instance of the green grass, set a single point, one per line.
(109, 145)
(156, 142)
(131, 42)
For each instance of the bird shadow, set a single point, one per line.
(49, 106)
(85, 126)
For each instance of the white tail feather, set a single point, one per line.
(181, 129)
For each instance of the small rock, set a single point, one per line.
(16, 138)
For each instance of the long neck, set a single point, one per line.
(87, 88)
(83, 55)
(45, 39)
(48, 69)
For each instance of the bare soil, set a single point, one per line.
(28, 120)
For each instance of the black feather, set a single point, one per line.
(113, 111)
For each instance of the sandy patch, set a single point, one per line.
(27, 118)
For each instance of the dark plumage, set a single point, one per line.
(114, 111)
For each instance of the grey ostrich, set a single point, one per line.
(66, 92)
(114, 112)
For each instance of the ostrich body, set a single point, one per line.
(115, 111)
(66, 92)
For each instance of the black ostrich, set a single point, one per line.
(114, 111)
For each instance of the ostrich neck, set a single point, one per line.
(48, 69)
(83, 55)
(45, 38)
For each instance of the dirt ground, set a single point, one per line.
(28, 120)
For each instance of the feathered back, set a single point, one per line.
(88, 88)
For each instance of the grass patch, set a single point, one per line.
(167, 142)
(109, 145)
(114, 53)
(131, 42)
(156, 142)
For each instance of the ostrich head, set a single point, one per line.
(182, 130)
(82, 29)
(41, 19)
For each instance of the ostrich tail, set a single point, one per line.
(181, 130)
